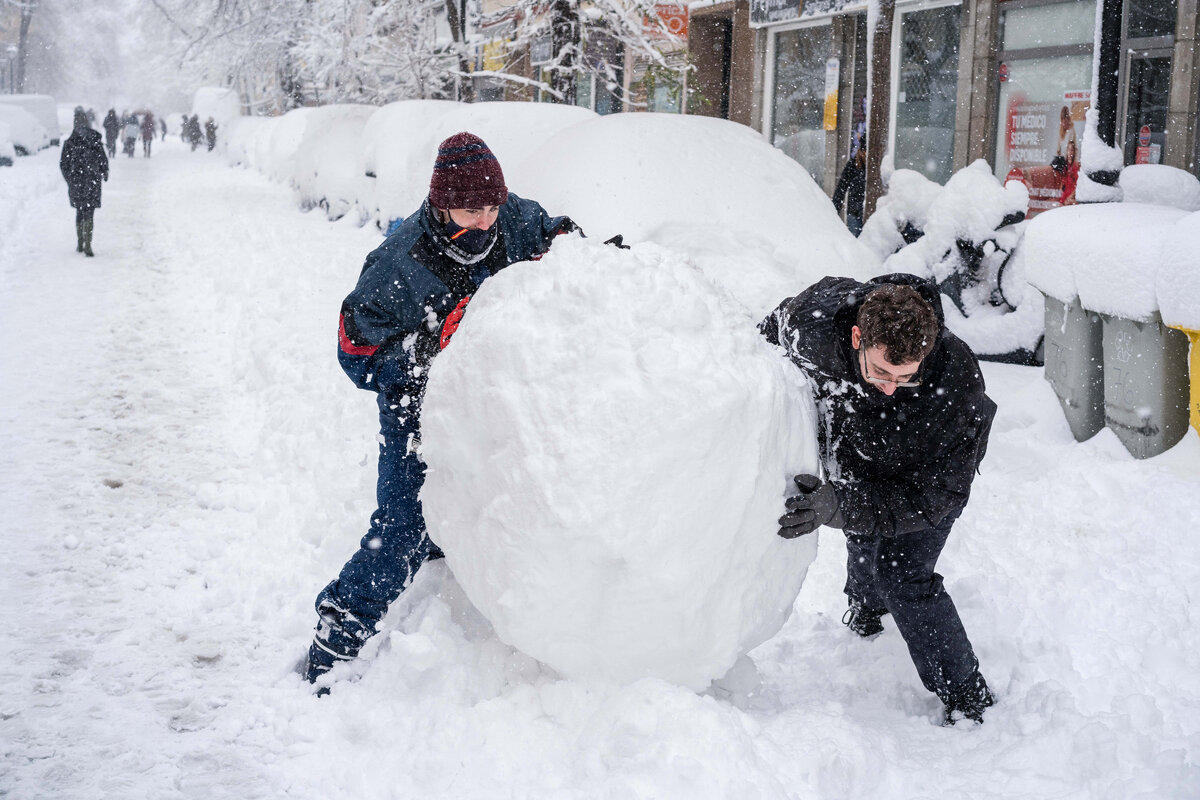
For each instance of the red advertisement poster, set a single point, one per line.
(1041, 140)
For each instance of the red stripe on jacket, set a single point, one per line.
(349, 347)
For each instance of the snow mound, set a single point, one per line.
(1107, 254)
(609, 443)
(909, 197)
(1178, 279)
(695, 184)
(1159, 184)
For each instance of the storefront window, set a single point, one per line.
(799, 103)
(1049, 25)
(1150, 18)
(927, 92)
(1146, 109)
(583, 90)
(1032, 99)
(1045, 90)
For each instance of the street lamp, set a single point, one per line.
(12, 75)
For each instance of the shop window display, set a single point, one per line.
(799, 102)
(1045, 91)
(927, 91)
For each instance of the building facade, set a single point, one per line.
(1007, 81)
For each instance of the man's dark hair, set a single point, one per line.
(896, 318)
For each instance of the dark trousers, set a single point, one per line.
(394, 547)
(895, 574)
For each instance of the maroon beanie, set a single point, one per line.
(466, 175)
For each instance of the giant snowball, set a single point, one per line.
(609, 444)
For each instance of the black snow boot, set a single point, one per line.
(969, 702)
(87, 239)
(78, 236)
(866, 622)
(339, 637)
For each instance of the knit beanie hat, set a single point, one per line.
(466, 175)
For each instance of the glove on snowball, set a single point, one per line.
(816, 505)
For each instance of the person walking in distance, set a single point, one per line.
(84, 167)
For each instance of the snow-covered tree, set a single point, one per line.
(586, 37)
(16, 21)
(374, 51)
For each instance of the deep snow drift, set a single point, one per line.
(183, 465)
(609, 442)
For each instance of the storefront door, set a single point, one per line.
(1146, 102)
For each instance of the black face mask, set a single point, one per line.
(471, 240)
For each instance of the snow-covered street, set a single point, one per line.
(183, 465)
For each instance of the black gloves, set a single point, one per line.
(430, 343)
(816, 505)
(617, 241)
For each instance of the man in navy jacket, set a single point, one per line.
(409, 300)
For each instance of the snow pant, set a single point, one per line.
(854, 222)
(84, 223)
(394, 548)
(895, 575)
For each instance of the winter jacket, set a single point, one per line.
(112, 125)
(84, 166)
(852, 188)
(899, 464)
(408, 286)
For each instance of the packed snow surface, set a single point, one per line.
(609, 442)
(183, 466)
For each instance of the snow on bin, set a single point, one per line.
(1179, 294)
(1145, 384)
(1075, 365)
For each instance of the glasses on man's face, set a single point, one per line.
(867, 367)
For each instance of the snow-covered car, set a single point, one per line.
(326, 168)
(695, 184)
(401, 140)
(7, 152)
(42, 107)
(28, 135)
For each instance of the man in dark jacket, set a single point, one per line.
(410, 296)
(112, 128)
(84, 166)
(904, 423)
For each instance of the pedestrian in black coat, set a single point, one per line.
(112, 129)
(904, 423)
(852, 188)
(84, 166)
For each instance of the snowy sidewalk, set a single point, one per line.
(183, 465)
